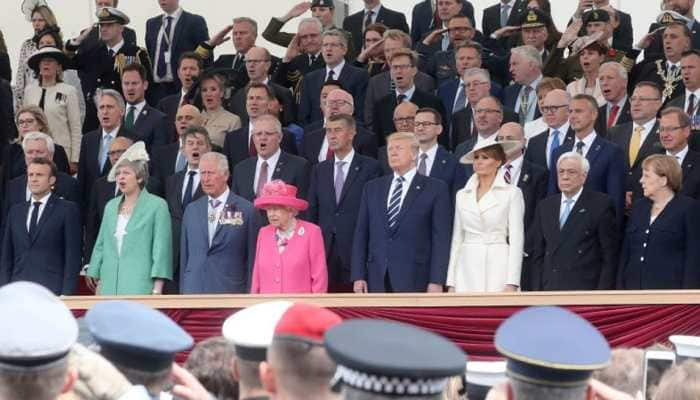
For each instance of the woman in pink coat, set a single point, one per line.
(289, 257)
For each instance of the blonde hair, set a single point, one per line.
(665, 166)
(408, 136)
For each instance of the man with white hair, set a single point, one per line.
(564, 223)
(521, 96)
(613, 80)
(303, 55)
(39, 145)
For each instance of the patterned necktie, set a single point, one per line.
(162, 67)
(525, 104)
(339, 180)
(507, 175)
(252, 151)
(331, 75)
(213, 220)
(691, 105)
(565, 214)
(395, 202)
(555, 145)
(461, 100)
(635, 143)
(368, 19)
(262, 178)
(504, 15)
(423, 164)
(579, 147)
(612, 117)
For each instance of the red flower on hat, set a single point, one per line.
(612, 52)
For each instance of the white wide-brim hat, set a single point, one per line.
(509, 147)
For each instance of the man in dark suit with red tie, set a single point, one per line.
(239, 144)
(334, 197)
(403, 230)
(616, 111)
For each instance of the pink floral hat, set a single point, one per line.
(278, 193)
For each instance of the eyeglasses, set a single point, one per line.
(424, 124)
(632, 99)
(337, 103)
(475, 84)
(552, 109)
(404, 120)
(487, 111)
(669, 129)
(256, 62)
(115, 153)
(26, 121)
(309, 36)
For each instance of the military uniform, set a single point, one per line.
(290, 74)
(101, 70)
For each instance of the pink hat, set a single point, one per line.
(278, 193)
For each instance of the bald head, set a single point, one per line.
(187, 116)
(555, 108)
(257, 64)
(339, 101)
(118, 147)
(512, 131)
(404, 115)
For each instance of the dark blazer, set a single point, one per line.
(150, 127)
(164, 160)
(423, 21)
(533, 184)
(8, 130)
(607, 173)
(415, 252)
(648, 71)
(381, 85)
(169, 105)
(656, 49)
(236, 145)
(679, 101)
(581, 255)
(337, 220)
(89, 162)
(447, 91)
(461, 122)
(66, 187)
(51, 255)
(384, 113)
(364, 143)
(510, 98)
(664, 254)
(291, 169)
(14, 164)
(5, 67)
(622, 35)
(491, 19)
(392, 19)
(621, 136)
(190, 31)
(238, 101)
(353, 79)
(601, 123)
(290, 74)
(536, 152)
(691, 175)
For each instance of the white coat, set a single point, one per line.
(487, 238)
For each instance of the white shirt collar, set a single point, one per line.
(375, 10)
(680, 155)
(515, 164)
(222, 199)
(587, 141)
(620, 104)
(408, 176)
(272, 160)
(139, 108)
(43, 200)
(175, 14)
(669, 64)
(117, 46)
(112, 133)
(510, 4)
(575, 198)
(646, 126)
(336, 70)
(431, 152)
(562, 129)
(408, 93)
(348, 158)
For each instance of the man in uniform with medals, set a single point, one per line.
(101, 66)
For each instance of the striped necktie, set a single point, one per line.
(395, 202)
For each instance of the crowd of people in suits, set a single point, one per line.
(370, 158)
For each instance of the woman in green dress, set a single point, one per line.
(133, 251)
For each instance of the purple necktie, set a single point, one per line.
(339, 180)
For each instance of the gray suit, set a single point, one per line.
(225, 266)
(380, 86)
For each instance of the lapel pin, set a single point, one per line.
(301, 231)
(526, 177)
(583, 210)
(357, 168)
(444, 161)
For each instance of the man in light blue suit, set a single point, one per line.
(219, 234)
(404, 227)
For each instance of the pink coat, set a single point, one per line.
(301, 268)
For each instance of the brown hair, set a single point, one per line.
(437, 118)
(348, 119)
(47, 14)
(38, 115)
(45, 161)
(136, 67)
(550, 84)
(405, 52)
(665, 166)
(379, 28)
(683, 118)
(259, 85)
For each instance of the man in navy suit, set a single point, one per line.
(269, 163)
(316, 142)
(169, 159)
(675, 141)
(608, 167)
(555, 112)
(145, 122)
(335, 192)
(168, 36)
(42, 238)
(239, 144)
(403, 64)
(441, 64)
(616, 110)
(402, 235)
(505, 13)
(39, 145)
(521, 96)
(188, 70)
(374, 13)
(426, 17)
(183, 188)
(219, 233)
(334, 48)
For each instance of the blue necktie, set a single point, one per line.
(187, 198)
(461, 101)
(553, 148)
(579, 147)
(565, 214)
(164, 47)
(395, 202)
(104, 154)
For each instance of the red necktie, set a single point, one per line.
(613, 115)
(251, 148)
(329, 153)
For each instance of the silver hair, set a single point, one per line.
(140, 168)
(312, 21)
(251, 21)
(113, 94)
(336, 33)
(483, 73)
(572, 155)
(273, 119)
(50, 146)
(221, 161)
(621, 71)
(529, 391)
(529, 52)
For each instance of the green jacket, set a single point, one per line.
(146, 251)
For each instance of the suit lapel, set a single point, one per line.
(388, 184)
(577, 213)
(280, 167)
(524, 174)
(417, 186)
(45, 216)
(353, 171)
(180, 182)
(594, 151)
(647, 148)
(179, 26)
(437, 171)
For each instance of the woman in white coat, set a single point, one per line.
(488, 234)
